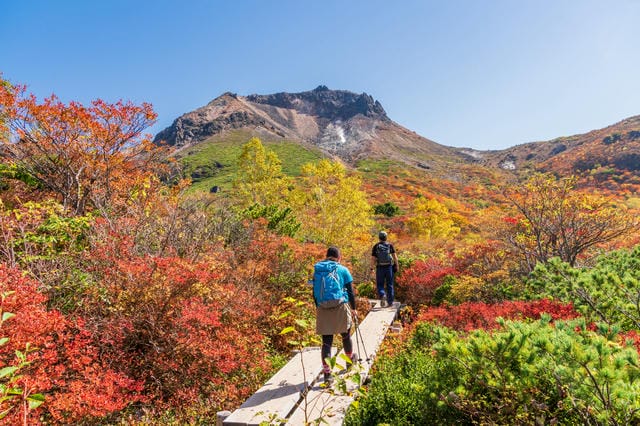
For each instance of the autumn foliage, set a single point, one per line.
(164, 302)
(90, 156)
(556, 221)
(64, 359)
(477, 315)
(127, 298)
(418, 284)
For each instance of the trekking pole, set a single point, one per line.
(364, 348)
(359, 333)
(355, 320)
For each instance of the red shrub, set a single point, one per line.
(634, 336)
(172, 324)
(476, 315)
(65, 364)
(482, 259)
(417, 285)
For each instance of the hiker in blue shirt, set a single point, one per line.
(333, 296)
(383, 256)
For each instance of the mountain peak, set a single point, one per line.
(339, 123)
(325, 103)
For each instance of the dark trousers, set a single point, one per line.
(384, 276)
(327, 343)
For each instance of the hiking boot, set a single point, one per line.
(383, 302)
(354, 360)
(328, 378)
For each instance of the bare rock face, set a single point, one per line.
(223, 113)
(319, 116)
(353, 126)
(331, 105)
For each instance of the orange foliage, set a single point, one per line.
(176, 303)
(88, 155)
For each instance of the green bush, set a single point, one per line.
(280, 220)
(442, 293)
(8, 172)
(366, 289)
(607, 292)
(388, 209)
(526, 373)
(406, 391)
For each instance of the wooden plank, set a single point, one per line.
(280, 395)
(320, 403)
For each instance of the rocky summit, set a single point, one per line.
(332, 105)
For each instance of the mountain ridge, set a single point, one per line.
(354, 127)
(615, 146)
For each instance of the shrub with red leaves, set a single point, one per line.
(174, 325)
(417, 284)
(477, 315)
(633, 336)
(63, 363)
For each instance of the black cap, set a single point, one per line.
(382, 235)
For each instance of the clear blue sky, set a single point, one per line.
(486, 74)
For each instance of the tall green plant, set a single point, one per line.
(526, 373)
(607, 292)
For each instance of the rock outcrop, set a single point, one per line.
(332, 105)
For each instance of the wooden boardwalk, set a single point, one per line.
(281, 400)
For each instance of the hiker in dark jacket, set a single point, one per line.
(383, 256)
(333, 296)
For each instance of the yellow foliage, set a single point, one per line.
(459, 220)
(260, 178)
(331, 205)
(633, 202)
(432, 219)
(466, 288)
(558, 220)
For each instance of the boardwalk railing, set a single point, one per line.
(282, 399)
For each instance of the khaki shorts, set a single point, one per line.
(333, 320)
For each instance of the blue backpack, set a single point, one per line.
(328, 290)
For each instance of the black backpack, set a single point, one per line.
(383, 254)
